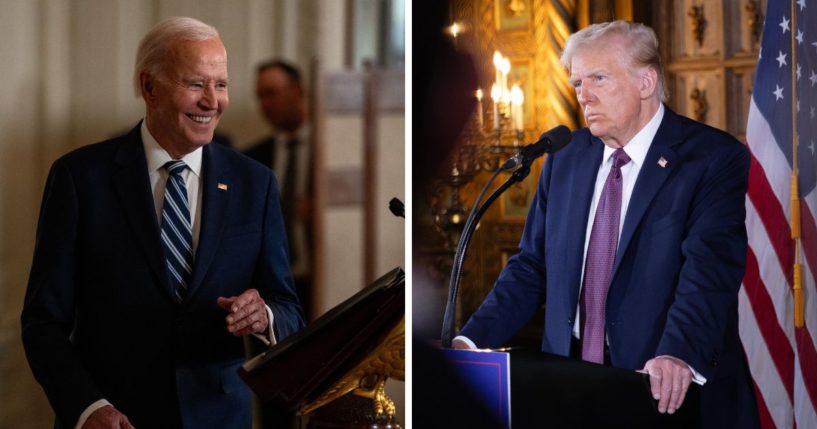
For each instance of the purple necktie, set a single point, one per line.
(601, 252)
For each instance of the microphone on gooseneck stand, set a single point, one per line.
(550, 141)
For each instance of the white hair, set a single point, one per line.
(641, 41)
(155, 47)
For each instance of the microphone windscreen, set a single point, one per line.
(558, 136)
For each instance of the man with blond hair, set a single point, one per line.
(156, 253)
(635, 242)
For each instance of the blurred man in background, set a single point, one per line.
(281, 98)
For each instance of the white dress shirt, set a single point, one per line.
(636, 149)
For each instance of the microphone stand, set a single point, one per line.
(462, 247)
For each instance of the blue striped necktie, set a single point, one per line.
(177, 235)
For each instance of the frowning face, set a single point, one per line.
(185, 103)
(610, 92)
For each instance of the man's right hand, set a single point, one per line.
(107, 417)
(462, 343)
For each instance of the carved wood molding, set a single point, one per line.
(689, 64)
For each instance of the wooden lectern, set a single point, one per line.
(338, 365)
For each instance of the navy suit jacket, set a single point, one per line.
(679, 265)
(99, 320)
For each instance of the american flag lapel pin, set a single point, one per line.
(662, 162)
(223, 187)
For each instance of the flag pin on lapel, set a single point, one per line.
(662, 162)
(223, 187)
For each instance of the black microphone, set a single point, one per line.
(550, 141)
(397, 208)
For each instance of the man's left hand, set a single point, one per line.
(669, 381)
(248, 313)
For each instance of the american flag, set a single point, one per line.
(782, 357)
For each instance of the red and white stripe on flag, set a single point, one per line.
(782, 130)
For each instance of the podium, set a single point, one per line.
(345, 357)
(530, 389)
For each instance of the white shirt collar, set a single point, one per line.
(638, 146)
(157, 156)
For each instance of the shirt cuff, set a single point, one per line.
(697, 378)
(90, 410)
(269, 339)
(467, 341)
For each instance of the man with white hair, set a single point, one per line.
(156, 253)
(635, 242)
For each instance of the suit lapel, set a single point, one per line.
(133, 188)
(661, 160)
(583, 170)
(217, 189)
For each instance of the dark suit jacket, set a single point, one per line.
(262, 151)
(99, 320)
(679, 266)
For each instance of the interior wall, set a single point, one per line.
(68, 68)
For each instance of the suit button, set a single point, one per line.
(569, 321)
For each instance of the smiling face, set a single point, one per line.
(617, 100)
(185, 103)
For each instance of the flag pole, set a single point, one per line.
(799, 305)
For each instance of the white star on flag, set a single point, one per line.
(781, 59)
(778, 92)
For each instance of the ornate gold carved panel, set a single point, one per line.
(710, 81)
(699, 27)
(699, 93)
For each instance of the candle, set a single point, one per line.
(517, 99)
(479, 108)
(498, 67)
(496, 93)
(505, 67)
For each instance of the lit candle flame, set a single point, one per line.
(505, 65)
(455, 29)
(496, 93)
(497, 59)
(517, 96)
